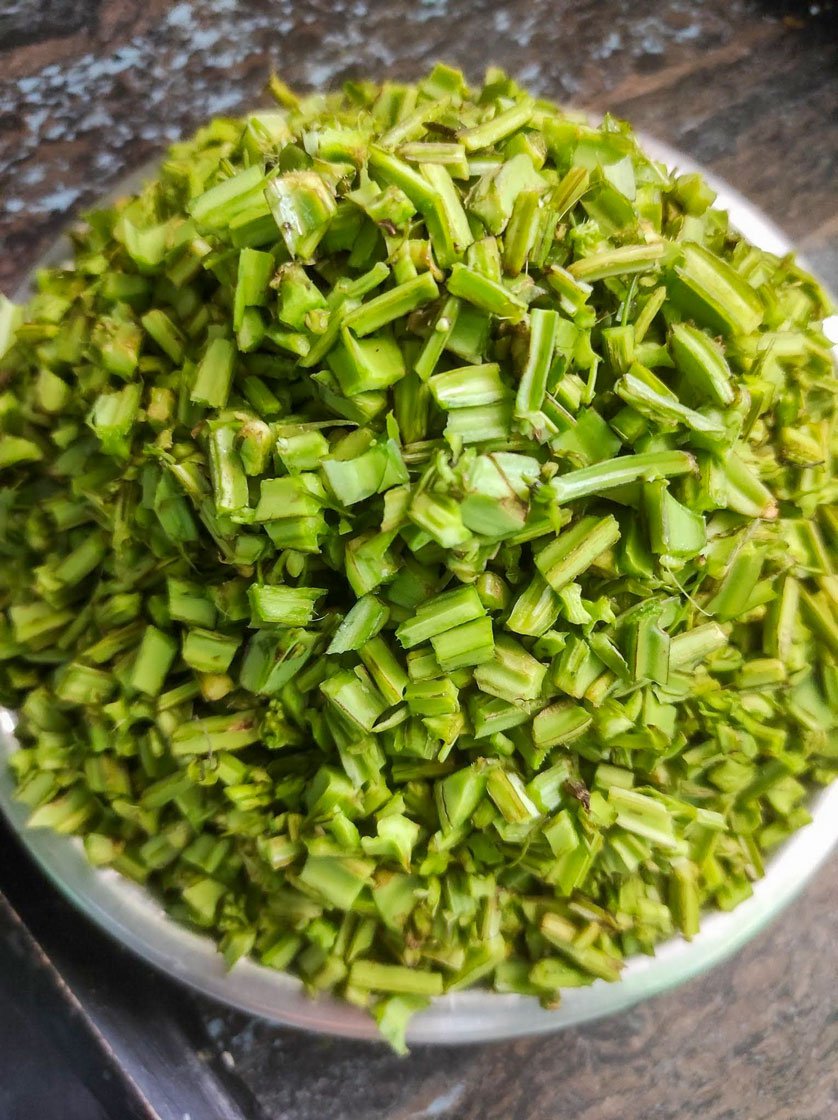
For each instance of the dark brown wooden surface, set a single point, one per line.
(90, 89)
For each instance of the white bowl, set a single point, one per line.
(135, 917)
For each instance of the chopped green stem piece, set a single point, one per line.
(451, 155)
(742, 490)
(713, 293)
(588, 959)
(208, 651)
(361, 623)
(568, 192)
(215, 374)
(521, 233)
(415, 123)
(702, 363)
(355, 697)
(283, 606)
(637, 393)
(446, 611)
(820, 616)
(392, 304)
(625, 261)
(229, 481)
(437, 339)
(384, 668)
(377, 470)
(507, 791)
(738, 584)
(441, 518)
(16, 449)
(468, 386)
(337, 881)
(674, 530)
(458, 795)
(371, 976)
(214, 734)
(648, 648)
(647, 314)
(154, 659)
(492, 198)
(535, 610)
(164, 332)
(491, 131)
(605, 476)
(694, 646)
(575, 549)
(472, 643)
(452, 228)
(685, 897)
(302, 205)
(81, 561)
(283, 498)
(489, 295)
(619, 347)
(255, 270)
(544, 327)
(513, 674)
(560, 723)
(112, 419)
(428, 697)
(220, 203)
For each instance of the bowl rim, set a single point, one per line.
(136, 919)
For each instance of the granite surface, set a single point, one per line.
(90, 89)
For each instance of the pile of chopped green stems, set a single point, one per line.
(416, 521)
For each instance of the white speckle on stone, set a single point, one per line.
(32, 175)
(611, 43)
(204, 38)
(318, 73)
(61, 199)
(688, 33)
(222, 101)
(530, 75)
(36, 119)
(652, 43)
(180, 16)
(98, 117)
(502, 20)
(427, 10)
(440, 1105)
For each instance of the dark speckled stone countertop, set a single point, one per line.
(90, 89)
